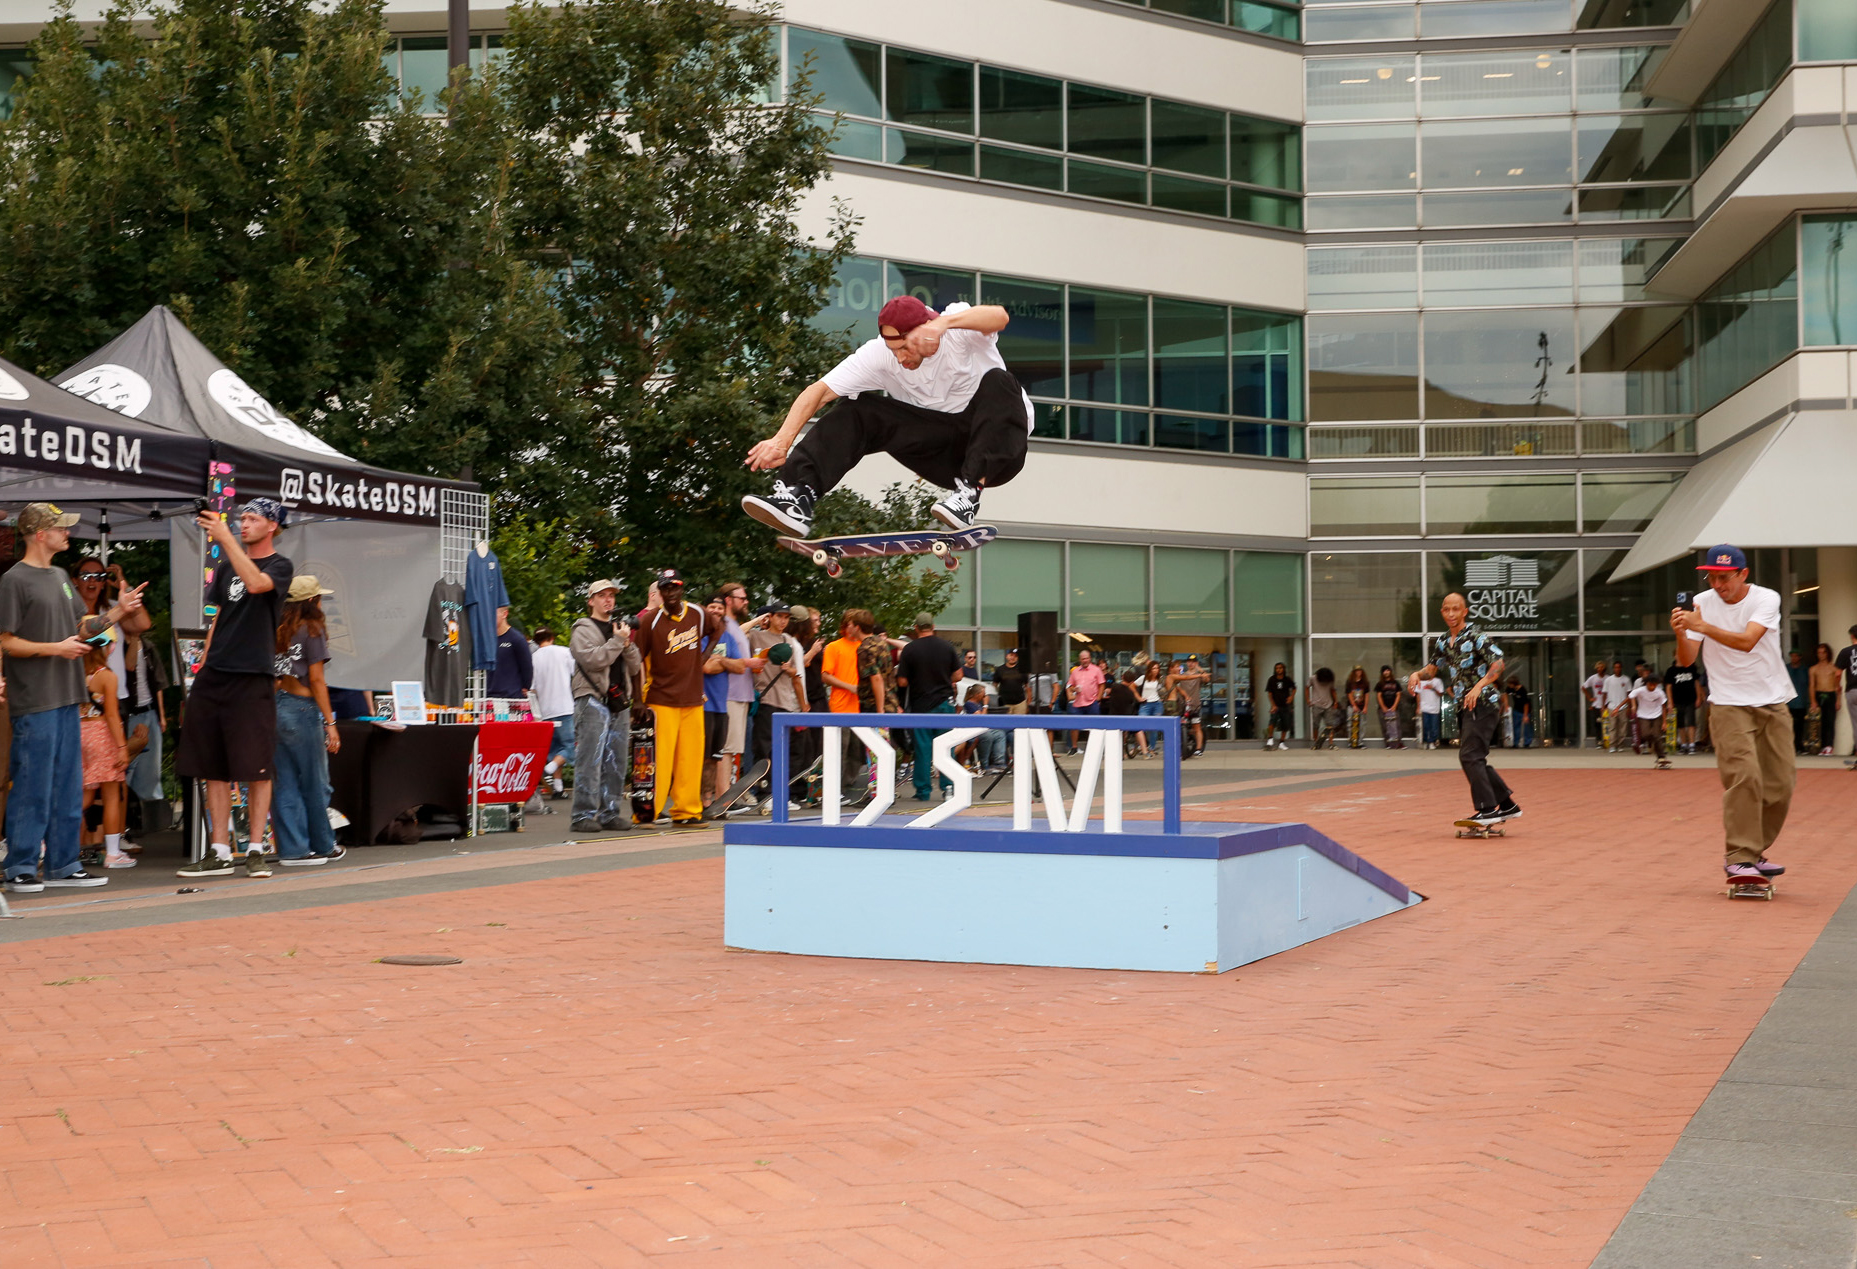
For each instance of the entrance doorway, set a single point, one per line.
(1550, 669)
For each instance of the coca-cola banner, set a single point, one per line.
(509, 760)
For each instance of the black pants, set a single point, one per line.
(799, 751)
(1475, 729)
(983, 444)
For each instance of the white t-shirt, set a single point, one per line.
(1595, 686)
(1744, 678)
(1151, 690)
(1649, 700)
(554, 673)
(946, 382)
(1431, 696)
(1618, 690)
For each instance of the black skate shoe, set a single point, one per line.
(958, 509)
(788, 508)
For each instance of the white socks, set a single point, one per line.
(222, 850)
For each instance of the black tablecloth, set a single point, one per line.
(380, 772)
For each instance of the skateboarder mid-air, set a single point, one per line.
(954, 415)
(1472, 663)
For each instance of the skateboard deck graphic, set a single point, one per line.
(830, 553)
(643, 782)
(737, 792)
(1470, 828)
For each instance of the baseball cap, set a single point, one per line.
(905, 313)
(39, 516)
(595, 588)
(801, 613)
(1722, 559)
(668, 577)
(775, 608)
(925, 621)
(302, 586)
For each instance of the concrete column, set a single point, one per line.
(1837, 613)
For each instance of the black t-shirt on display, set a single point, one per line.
(245, 631)
(1010, 680)
(1281, 689)
(927, 667)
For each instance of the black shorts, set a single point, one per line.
(228, 728)
(1685, 715)
(1282, 718)
(715, 733)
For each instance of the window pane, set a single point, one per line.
(1381, 22)
(1105, 124)
(1267, 586)
(1108, 427)
(1633, 147)
(853, 140)
(1108, 587)
(1189, 590)
(1637, 603)
(1108, 346)
(1189, 357)
(929, 152)
(1377, 591)
(1529, 590)
(1614, 78)
(1827, 31)
(1266, 365)
(936, 288)
(1099, 180)
(1021, 167)
(929, 91)
(1364, 211)
(1205, 10)
(958, 609)
(1623, 502)
(1363, 157)
(1027, 109)
(1615, 268)
(1749, 321)
(1639, 436)
(1179, 431)
(1047, 420)
(1363, 506)
(846, 73)
(1364, 442)
(1266, 209)
(1497, 153)
(1180, 194)
(1502, 207)
(1829, 298)
(1265, 19)
(1634, 360)
(1188, 138)
(1363, 368)
(1267, 440)
(1494, 17)
(1500, 440)
(1462, 274)
(1640, 202)
(1033, 341)
(1363, 277)
(1361, 87)
(1266, 153)
(1495, 83)
(1457, 505)
(1495, 363)
(423, 70)
(1018, 577)
(16, 69)
(852, 301)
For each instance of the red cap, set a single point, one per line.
(905, 313)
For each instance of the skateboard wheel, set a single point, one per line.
(833, 568)
(951, 562)
(939, 548)
(820, 558)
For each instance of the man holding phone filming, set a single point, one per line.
(43, 629)
(1735, 627)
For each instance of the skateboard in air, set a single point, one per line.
(738, 792)
(1751, 888)
(831, 552)
(1470, 828)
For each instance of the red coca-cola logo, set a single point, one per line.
(508, 776)
(509, 760)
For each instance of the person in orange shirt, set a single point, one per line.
(839, 668)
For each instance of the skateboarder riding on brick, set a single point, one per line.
(954, 415)
(1472, 662)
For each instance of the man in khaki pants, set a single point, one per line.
(1736, 628)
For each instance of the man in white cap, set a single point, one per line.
(606, 665)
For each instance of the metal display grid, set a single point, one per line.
(464, 521)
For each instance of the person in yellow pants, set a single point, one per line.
(672, 635)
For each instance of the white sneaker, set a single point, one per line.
(119, 861)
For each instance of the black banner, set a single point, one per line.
(138, 458)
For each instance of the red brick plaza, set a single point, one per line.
(1485, 1080)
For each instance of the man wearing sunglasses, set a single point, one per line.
(953, 414)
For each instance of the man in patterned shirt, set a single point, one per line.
(1472, 663)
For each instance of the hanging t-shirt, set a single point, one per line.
(1649, 702)
(553, 666)
(1756, 677)
(945, 382)
(245, 631)
(305, 650)
(41, 606)
(448, 644)
(483, 595)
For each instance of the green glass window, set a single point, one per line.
(1021, 167)
(936, 288)
(1456, 84)
(1190, 357)
(423, 69)
(1623, 501)
(929, 91)
(1266, 153)
(1456, 505)
(847, 74)
(1188, 138)
(1108, 346)
(1635, 360)
(1179, 193)
(1827, 31)
(1205, 10)
(15, 69)
(1182, 431)
(1371, 592)
(1265, 19)
(1108, 587)
(852, 301)
(1024, 109)
(1636, 603)
(1189, 591)
(1108, 427)
(1829, 245)
(1105, 124)
(1266, 209)
(1033, 341)
(1496, 362)
(1363, 367)
(1749, 321)
(1267, 592)
(1018, 577)
(958, 608)
(928, 151)
(1266, 365)
(1363, 506)
(1636, 202)
(1736, 93)
(1100, 180)
(1363, 277)
(1361, 87)
(1467, 274)
(1528, 590)
(854, 140)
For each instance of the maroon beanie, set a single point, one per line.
(905, 313)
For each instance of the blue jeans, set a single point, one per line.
(1152, 709)
(1429, 728)
(145, 771)
(921, 773)
(990, 748)
(562, 742)
(300, 788)
(47, 803)
(602, 750)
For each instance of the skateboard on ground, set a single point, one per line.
(830, 553)
(644, 766)
(1470, 828)
(812, 769)
(1662, 763)
(1748, 888)
(1813, 730)
(737, 792)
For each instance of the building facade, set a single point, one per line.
(1329, 310)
